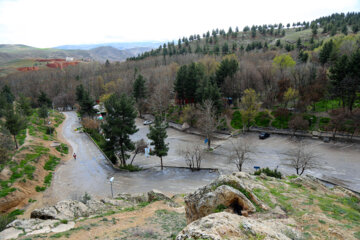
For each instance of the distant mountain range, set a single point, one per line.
(97, 52)
(117, 45)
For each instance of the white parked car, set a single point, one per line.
(148, 122)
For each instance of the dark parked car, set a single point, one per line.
(264, 135)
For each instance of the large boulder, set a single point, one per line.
(224, 225)
(232, 192)
(67, 209)
(156, 195)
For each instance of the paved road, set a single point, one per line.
(90, 172)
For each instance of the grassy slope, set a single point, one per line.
(31, 162)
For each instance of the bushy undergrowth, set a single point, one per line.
(268, 172)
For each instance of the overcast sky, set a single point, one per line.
(49, 23)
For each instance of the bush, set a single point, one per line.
(131, 168)
(323, 122)
(236, 121)
(48, 178)
(50, 130)
(85, 198)
(40, 189)
(311, 119)
(268, 172)
(262, 119)
(63, 148)
(282, 117)
(51, 163)
(5, 219)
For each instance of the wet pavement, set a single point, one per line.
(90, 172)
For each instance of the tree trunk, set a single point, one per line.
(209, 143)
(16, 144)
(161, 163)
(133, 158)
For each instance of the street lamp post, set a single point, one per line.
(111, 181)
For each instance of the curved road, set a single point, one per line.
(90, 172)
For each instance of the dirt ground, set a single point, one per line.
(26, 197)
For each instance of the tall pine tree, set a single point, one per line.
(158, 135)
(120, 124)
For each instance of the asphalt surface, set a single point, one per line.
(90, 172)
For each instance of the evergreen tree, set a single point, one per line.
(120, 124)
(80, 93)
(43, 112)
(179, 86)
(87, 105)
(326, 52)
(7, 94)
(24, 105)
(44, 100)
(208, 90)
(139, 92)
(158, 135)
(14, 122)
(345, 78)
(139, 88)
(227, 68)
(225, 48)
(344, 30)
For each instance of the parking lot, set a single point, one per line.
(338, 162)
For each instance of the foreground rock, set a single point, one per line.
(72, 209)
(225, 225)
(34, 226)
(233, 192)
(233, 207)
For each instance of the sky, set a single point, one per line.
(50, 23)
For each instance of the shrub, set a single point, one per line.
(262, 119)
(131, 168)
(5, 219)
(323, 122)
(220, 208)
(268, 172)
(63, 148)
(51, 163)
(236, 121)
(282, 117)
(50, 130)
(40, 189)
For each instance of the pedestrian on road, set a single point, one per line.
(74, 155)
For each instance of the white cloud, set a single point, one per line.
(47, 23)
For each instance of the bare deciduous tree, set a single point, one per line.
(139, 148)
(301, 158)
(208, 121)
(193, 155)
(160, 99)
(298, 123)
(241, 151)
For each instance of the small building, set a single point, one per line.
(69, 59)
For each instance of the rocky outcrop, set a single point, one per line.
(72, 209)
(34, 226)
(218, 226)
(232, 192)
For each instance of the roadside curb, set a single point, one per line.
(106, 157)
